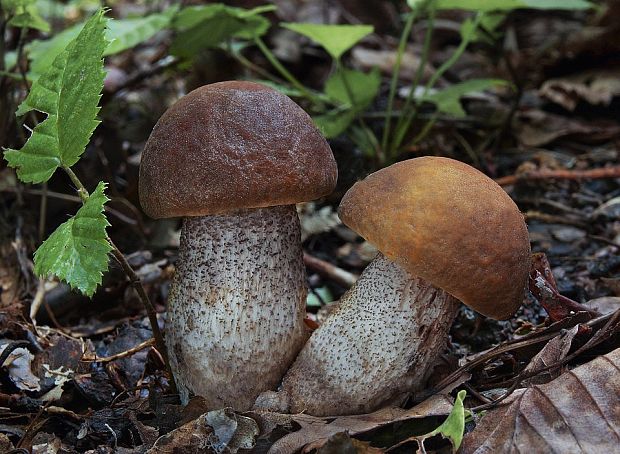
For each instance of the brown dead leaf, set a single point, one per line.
(597, 87)
(217, 431)
(316, 431)
(342, 443)
(579, 412)
(555, 350)
(18, 364)
(535, 128)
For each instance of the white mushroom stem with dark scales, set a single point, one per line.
(378, 345)
(237, 304)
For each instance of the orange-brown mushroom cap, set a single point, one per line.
(233, 145)
(449, 224)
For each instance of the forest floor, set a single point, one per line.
(551, 138)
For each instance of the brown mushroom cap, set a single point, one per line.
(449, 224)
(233, 145)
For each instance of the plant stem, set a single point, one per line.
(395, 73)
(409, 113)
(285, 72)
(135, 282)
(150, 309)
(370, 137)
(79, 187)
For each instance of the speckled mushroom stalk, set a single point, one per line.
(446, 233)
(403, 321)
(236, 306)
(233, 159)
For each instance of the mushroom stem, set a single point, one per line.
(378, 345)
(237, 303)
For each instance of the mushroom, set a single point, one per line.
(445, 232)
(232, 159)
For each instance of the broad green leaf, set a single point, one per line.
(68, 92)
(24, 14)
(454, 426)
(448, 101)
(127, 33)
(335, 39)
(42, 53)
(77, 251)
(353, 88)
(122, 34)
(506, 5)
(334, 122)
(208, 26)
(354, 91)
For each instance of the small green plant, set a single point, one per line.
(68, 92)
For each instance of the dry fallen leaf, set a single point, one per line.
(316, 431)
(535, 128)
(19, 364)
(579, 412)
(217, 431)
(597, 87)
(554, 351)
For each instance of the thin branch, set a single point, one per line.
(560, 174)
(106, 359)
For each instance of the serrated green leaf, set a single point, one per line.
(505, 5)
(335, 39)
(24, 14)
(77, 251)
(68, 92)
(448, 100)
(208, 26)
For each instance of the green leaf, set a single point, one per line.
(354, 91)
(10, 59)
(68, 92)
(334, 122)
(42, 53)
(353, 88)
(122, 34)
(127, 33)
(24, 14)
(448, 99)
(335, 39)
(505, 5)
(454, 426)
(208, 26)
(77, 251)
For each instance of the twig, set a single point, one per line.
(330, 271)
(106, 359)
(141, 75)
(561, 174)
(150, 309)
(76, 199)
